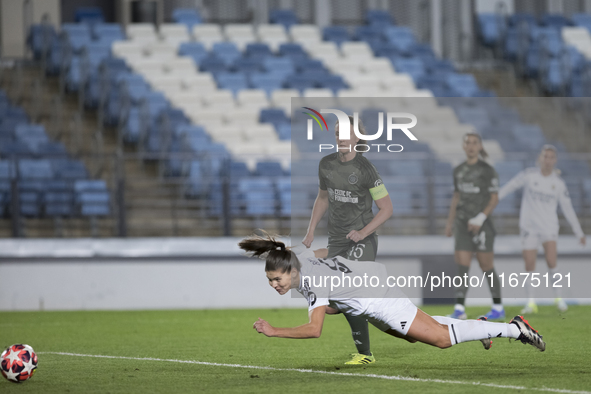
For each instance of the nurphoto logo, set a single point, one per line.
(345, 129)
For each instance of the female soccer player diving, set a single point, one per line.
(348, 185)
(476, 187)
(543, 191)
(388, 309)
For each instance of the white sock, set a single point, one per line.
(552, 279)
(530, 291)
(497, 307)
(475, 330)
(460, 307)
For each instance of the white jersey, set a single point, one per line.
(357, 294)
(541, 195)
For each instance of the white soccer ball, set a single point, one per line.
(18, 363)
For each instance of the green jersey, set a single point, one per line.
(352, 186)
(475, 183)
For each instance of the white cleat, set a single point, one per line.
(561, 305)
(530, 308)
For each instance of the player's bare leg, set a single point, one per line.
(551, 259)
(486, 262)
(529, 257)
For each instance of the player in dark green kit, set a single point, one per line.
(476, 187)
(348, 186)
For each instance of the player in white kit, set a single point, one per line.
(386, 307)
(543, 191)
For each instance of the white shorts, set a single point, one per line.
(532, 240)
(393, 313)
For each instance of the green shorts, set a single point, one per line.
(481, 242)
(364, 250)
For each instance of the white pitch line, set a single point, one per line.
(358, 375)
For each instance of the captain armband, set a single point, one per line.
(378, 192)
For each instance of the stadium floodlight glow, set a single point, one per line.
(345, 130)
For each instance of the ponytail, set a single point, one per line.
(483, 153)
(278, 257)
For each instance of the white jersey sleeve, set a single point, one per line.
(567, 209)
(516, 183)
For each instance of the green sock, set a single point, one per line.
(360, 332)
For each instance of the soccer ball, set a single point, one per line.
(18, 363)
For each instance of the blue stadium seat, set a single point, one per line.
(292, 50)
(238, 170)
(368, 33)
(69, 169)
(232, 81)
(226, 51)
(557, 21)
(299, 82)
(336, 34)
(334, 83)
(519, 18)
(107, 31)
(273, 115)
(284, 131)
(279, 65)
(287, 18)
(269, 169)
(194, 50)
(581, 19)
(7, 170)
(35, 169)
(378, 18)
(415, 67)
(187, 16)
(59, 203)
(511, 45)
(92, 197)
(488, 29)
(258, 49)
(212, 64)
(247, 65)
(266, 81)
(258, 195)
(464, 85)
(89, 15)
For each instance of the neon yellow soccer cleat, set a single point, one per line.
(360, 359)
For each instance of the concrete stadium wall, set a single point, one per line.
(203, 273)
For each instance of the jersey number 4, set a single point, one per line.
(480, 240)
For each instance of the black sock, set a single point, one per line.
(462, 290)
(360, 332)
(495, 290)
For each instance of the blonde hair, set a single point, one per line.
(482, 152)
(545, 148)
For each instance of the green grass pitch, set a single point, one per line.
(227, 337)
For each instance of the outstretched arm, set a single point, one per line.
(517, 182)
(312, 329)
